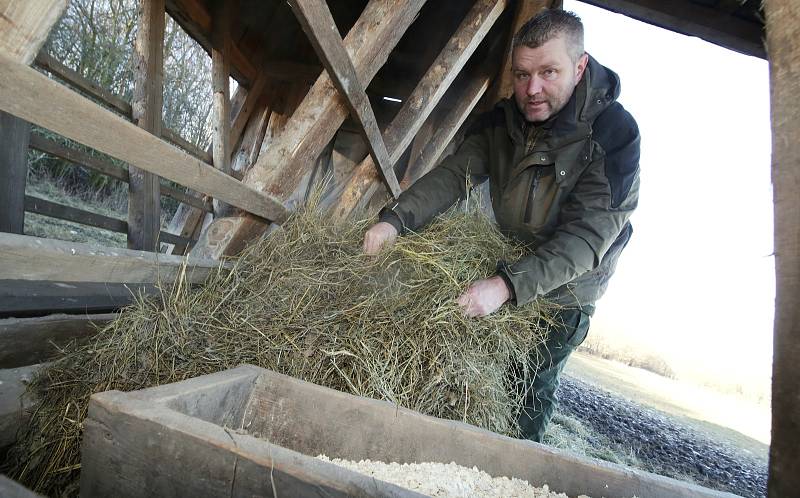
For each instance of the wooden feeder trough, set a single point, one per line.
(252, 432)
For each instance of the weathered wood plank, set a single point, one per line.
(314, 123)
(249, 105)
(446, 130)
(63, 212)
(423, 99)
(15, 407)
(783, 17)
(21, 89)
(31, 258)
(26, 341)
(318, 23)
(80, 158)
(14, 136)
(24, 26)
(54, 210)
(12, 489)
(31, 298)
(71, 77)
(48, 63)
(144, 195)
(220, 77)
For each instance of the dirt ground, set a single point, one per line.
(669, 427)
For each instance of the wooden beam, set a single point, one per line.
(220, 76)
(783, 17)
(692, 19)
(195, 18)
(31, 298)
(144, 195)
(24, 26)
(424, 98)
(81, 120)
(318, 23)
(310, 128)
(445, 131)
(33, 258)
(249, 105)
(26, 341)
(68, 213)
(503, 85)
(113, 101)
(14, 135)
(48, 63)
(80, 158)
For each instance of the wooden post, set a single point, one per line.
(14, 136)
(221, 102)
(783, 17)
(144, 197)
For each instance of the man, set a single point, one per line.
(562, 157)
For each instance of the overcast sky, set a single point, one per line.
(696, 283)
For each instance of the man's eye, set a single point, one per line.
(522, 76)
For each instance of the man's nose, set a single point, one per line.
(534, 86)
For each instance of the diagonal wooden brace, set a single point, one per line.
(318, 23)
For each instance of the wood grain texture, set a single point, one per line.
(20, 91)
(26, 341)
(24, 26)
(14, 137)
(319, 26)
(31, 258)
(313, 124)
(446, 130)
(783, 47)
(32, 298)
(111, 100)
(144, 194)
(81, 158)
(423, 99)
(44, 207)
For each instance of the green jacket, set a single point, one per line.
(567, 186)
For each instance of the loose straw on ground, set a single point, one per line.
(306, 302)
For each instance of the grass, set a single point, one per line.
(111, 201)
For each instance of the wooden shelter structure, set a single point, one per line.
(370, 91)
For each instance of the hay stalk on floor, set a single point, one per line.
(305, 302)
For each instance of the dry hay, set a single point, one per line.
(306, 302)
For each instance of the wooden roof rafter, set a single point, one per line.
(318, 23)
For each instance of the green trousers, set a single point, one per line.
(563, 336)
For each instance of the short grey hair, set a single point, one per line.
(549, 24)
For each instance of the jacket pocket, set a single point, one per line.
(542, 189)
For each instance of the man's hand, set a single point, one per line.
(378, 236)
(484, 297)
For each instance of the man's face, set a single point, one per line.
(544, 78)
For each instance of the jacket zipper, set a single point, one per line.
(532, 195)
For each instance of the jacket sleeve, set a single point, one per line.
(444, 185)
(591, 219)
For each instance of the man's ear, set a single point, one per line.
(583, 61)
